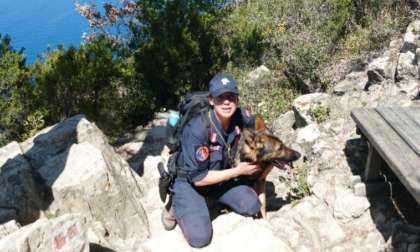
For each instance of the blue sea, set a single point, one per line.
(35, 24)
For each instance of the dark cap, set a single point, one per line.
(222, 84)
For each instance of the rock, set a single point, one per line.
(381, 69)
(83, 180)
(325, 155)
(302, 108)
(283, 126)
(321, 190)
(57, 139)
(72, 169)
(19, 189)
(347, 206)
(11, 150)
(411, 41)
(256, 73)
(408, 69)
(254, 236)
(315, 214)
(66, 233)
(340, 107)
(8, 228)
(308, 134)
(348, 86)
(360, 67)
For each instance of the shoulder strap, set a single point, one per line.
(204, 113)
(241, 122)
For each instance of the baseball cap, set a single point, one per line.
(222, 84)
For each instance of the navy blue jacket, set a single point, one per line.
(199, 156)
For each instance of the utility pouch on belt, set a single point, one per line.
(165, 182)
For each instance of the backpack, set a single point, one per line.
(195, 103)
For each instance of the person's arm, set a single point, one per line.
(215, 176)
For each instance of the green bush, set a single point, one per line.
(17, 99)
(34, 123)
(270, 95)
(88, 80)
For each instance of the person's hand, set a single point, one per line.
(246, 168)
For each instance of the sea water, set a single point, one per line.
(36, 24)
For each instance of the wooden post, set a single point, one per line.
(373, 165)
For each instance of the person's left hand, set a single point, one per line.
(266, 172)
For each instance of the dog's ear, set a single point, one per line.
(259, 124)
(249, 136)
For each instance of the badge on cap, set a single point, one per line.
(202, 153)
(225, 81)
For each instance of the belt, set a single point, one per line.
(181, 174)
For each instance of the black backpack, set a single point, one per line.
(194, 104)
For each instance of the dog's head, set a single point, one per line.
(265, 149)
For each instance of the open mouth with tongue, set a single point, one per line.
(283, 165)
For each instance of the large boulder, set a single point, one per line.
(70, 168)
(83, 180)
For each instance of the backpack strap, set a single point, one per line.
(204, 114)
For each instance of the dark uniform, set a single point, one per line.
(197, 158)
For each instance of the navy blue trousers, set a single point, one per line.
(191, 212)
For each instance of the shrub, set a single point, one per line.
(270, 95)
(300, 188)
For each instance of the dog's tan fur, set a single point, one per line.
(262, 148)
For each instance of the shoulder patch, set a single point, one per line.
(238, 130)
(247, 113)
(202, 153)
(216, 148)
(213, 137)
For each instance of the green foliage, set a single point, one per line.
(139, 100)
(88, 80)
(34, 123)
(301, 189)
(174, 47)
(300, 37)
(241, 39)
(320, 112)
(270, 95)
(296, 33)
(182, 53)
(16, 91)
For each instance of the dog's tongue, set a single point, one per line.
(287, 166)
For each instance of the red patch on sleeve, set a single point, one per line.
(202, 153)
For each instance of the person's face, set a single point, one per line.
(224, 105)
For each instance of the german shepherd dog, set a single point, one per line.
(264, 149)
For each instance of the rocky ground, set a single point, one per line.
(327, 217)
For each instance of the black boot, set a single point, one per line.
(167, 217)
